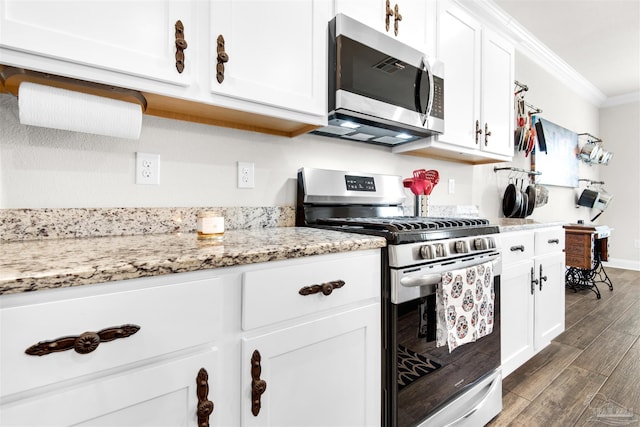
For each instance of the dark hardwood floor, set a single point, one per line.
(590, 374)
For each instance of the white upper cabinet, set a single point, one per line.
(497, 115)
(415, 19)
(136, 38)
(478, 92)
(276, 52)
(479, 69)
(274, 56)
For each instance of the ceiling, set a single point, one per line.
(600, 39)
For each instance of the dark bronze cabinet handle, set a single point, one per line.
(84, 343)
(517, 248)
(396, 19)
(551, 241)
(222, 58)
(534, 282)
(478, 131)
(487, 134)
(388, 15)
(542, 278)
(181, 45)
(258, 386)
(325, 288)
(205, 406)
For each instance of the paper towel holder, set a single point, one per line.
(11, 77)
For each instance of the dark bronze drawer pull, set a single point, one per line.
(258, 386)
(205, 406)
(325, 288)
(551, 241)
(181, 45)
(84, 343)
(517, 248)
(221, 59)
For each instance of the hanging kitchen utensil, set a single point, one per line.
(511, 200)
(542, 195)
(531, 195)
(542, 143)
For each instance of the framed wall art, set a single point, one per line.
(556, 155)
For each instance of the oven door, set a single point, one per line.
(427, 379)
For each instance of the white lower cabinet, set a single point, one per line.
(325, 372)
(532, 293)
(183, 346)
(156, 395)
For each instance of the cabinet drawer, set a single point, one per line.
(516, 246)
(171, 317)
(273, 294)
(549, 240)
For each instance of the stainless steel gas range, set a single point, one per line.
(440, 298)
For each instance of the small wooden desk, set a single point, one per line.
(586, 246)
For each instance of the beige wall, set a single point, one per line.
(620, 130)
(51, 168)
(562, 106)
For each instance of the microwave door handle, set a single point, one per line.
(426, 111)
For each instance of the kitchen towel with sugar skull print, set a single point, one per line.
(465, 304)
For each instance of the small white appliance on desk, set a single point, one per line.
(440, 297)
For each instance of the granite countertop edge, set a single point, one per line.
(49, 264)
(507, 225)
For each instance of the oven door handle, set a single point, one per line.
(426, 280)
(435, 278)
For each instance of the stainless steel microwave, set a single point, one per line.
(381, 90)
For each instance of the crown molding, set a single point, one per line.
(626, 98)
(527, 44)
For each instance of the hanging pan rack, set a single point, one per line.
(509, 168)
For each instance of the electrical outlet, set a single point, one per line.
(452, 185)
(147, 169)
(246, 177)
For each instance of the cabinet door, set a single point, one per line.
(550, 293)
(157, 395)
(136, 37)
(277, 52)
(517, 311)
(417, 28)
(324, 372)
(497, 94)
(459, 43)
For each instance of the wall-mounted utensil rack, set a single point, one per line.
(521, 87)
(592, 151)
(496, 169)
(591, 182)
(591, 137)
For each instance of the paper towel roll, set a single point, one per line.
(52, 107)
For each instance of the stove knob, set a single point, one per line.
(481, 244)
(461, 247)
(427, 252)
(440, 250)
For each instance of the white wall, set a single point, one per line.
(51, 168)
(620, 130)
(562, 106)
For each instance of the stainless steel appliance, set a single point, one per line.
(423, 384)
(381, 91)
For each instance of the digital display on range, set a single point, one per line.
(360, 183)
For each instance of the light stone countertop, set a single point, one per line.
(516, 224)
(55, 263)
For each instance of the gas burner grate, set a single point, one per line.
(403, 223)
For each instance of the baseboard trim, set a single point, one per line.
(625, 264)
